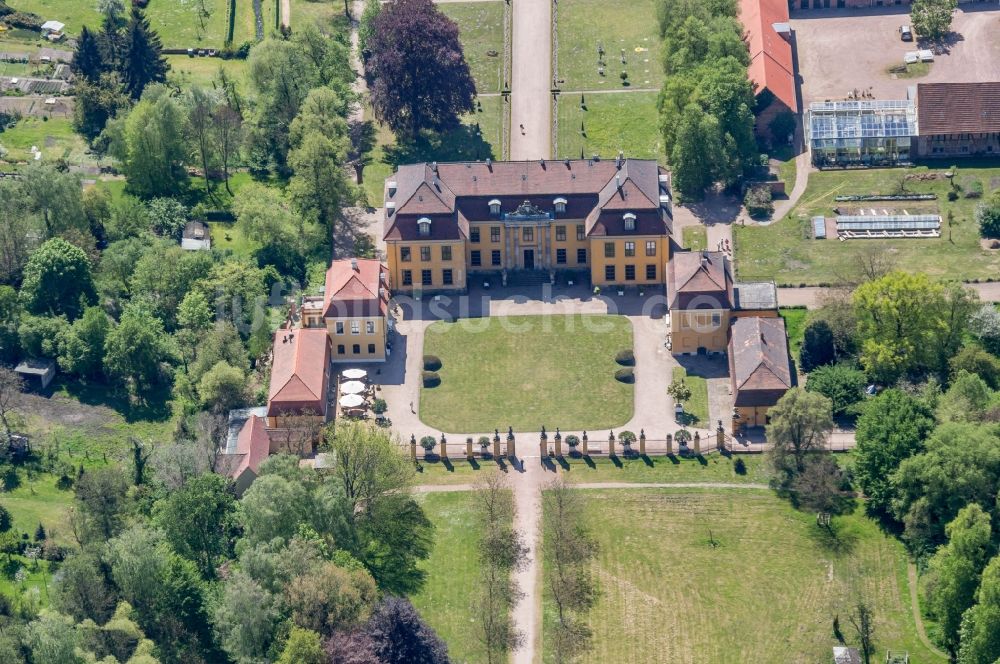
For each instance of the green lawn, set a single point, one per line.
(734, 576)
(180, 26)
(795, 327)
(186, 72)
(783, 251)
(446, 599)
(785, 157)
(328, 14)
(478, 137)
(74, 13)
(228, 236)
(624, 121)
(695, 237)
(527, 371)
(54, 137)
(480, 27)
(37, 500)
(632, 26)
(696, 407)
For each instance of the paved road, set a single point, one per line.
(531, 80)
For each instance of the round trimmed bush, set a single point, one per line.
(431, 378)
(428, 442)
(379, 406)
(432, 363)
(484, 441)
(626, 438)
(683, 436)
(740, 466)
(572, 440)
(626, 358)
(625, 376)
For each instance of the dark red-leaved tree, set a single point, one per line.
(419, 77)
(395, 634)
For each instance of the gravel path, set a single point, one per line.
(531, 80)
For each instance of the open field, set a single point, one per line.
(696, 408)
(446, 599)
(632, 26)
(528, 371)
(186, 72)
(55, 139)
(74, 13)
(783, 251)
(734, 576)
(481, 31)
(626, 121)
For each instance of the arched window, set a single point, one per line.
(424, 226)
(629, 221)
(560, 204)
(495, 206)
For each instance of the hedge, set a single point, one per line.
(626, 358)
(430, 378)
(625, 376)
(432, 363)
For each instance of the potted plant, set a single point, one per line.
(626, 438)
(379, 406)
(428, 443)
(484, 444)
(573, 441)
(683, 437)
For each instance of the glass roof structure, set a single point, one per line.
(867, 118)
(898, 222)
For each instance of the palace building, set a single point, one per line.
(445, 222)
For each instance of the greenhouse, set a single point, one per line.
(864, 132)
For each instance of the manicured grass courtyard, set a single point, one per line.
(734, 576)
(695, 237)
(783, 251)
(626, 121)
(696, 408)
(452, 573)
(481, 32)
(632, 26)
(527, 371)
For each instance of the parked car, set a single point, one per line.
(905, 33)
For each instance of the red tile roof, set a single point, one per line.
(300, 372)
(699, 280)
(760, 368)
(252, 447)
(453, 194)
(353, 288)
(771, 65)
(958, 108)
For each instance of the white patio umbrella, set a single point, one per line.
(351, 400)
(352, 387)
(354, 374)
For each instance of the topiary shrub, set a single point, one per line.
(626, 438)
(379, 406)
(625, 376)
(626, 358)
(572, 440)
(428, 442)
(740, 466)
(484, 442)
(432, 363)
(430, 378)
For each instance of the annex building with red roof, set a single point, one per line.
(772, 64)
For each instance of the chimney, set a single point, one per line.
(489, 164)
(541, 162)
(354, 264)
(619, 160)
(566, 161)
(618, 180)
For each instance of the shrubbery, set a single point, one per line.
(625, 376)
(432, 363)
(430, 378)
(758, 201)
(626, 358)
(428, 442)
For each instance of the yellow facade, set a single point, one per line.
(691, 331)
(639, 260)
(357, 339)
(431, 265)
(494, 246)
(750, 416)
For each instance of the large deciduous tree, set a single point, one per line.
(932, 18)
(799, 426)
(57, 280)
(419, 76)
(980, 633)
(892, 427)
(136, 348)
(150, 144)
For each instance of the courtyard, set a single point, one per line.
(528, 371)
(840, 50)
(734, 576)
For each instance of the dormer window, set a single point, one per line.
(560, 204)
(392, 187)
(495, 207)
(629, 221)
(390, 208)
(424, 226)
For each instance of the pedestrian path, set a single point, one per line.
(531, 80)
